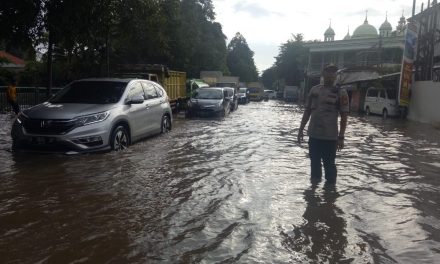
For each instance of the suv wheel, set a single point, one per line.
(166, 124)
(120, 139)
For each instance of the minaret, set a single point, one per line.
(347, 37)
(402, 24)
(329, 34)
(386, 28)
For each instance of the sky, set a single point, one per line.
(267, 24)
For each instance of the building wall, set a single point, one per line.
(425, 100)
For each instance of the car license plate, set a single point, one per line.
(43, 140)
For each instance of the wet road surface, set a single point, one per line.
(233, 190)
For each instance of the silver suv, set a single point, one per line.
(94, 114)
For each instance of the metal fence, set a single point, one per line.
(26, 97)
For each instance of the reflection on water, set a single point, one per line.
(321, 238)
(233, 190)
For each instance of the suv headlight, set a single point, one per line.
(91, 119)
(20, 118)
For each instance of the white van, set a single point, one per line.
(381, 101)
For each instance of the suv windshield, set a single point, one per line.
(91, 92)
(208, 94)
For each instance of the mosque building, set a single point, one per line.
(366, 47)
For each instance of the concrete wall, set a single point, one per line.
(425, 102)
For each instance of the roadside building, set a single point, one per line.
(367, 48)
(11, 62)
(425, 91)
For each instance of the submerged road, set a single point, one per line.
(232, 190)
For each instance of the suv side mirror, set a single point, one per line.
(137, 99)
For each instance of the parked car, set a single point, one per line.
(209, 102)
(94, 114)
(270, 94)
(381, 101)
(243, 95)
(233, 97)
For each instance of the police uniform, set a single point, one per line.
(325, 105)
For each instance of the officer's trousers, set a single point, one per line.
(324, 150)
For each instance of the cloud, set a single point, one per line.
(267, 24)
(254, 9)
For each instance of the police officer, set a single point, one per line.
(324, 103)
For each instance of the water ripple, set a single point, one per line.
(233, 190)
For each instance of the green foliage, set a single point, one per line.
(240, 59)
(292, 60)
(289, 66)
(92, 37)
(269, 78)
(18, 20)
(201, 42)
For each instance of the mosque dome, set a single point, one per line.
(365, 31)
(386, 26)
(329, 32)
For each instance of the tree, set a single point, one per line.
(202, 44)
(292, 60)
(270, 77)
(240, 59)
(90, 38)
(18, 21)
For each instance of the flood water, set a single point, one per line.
(233, 190)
